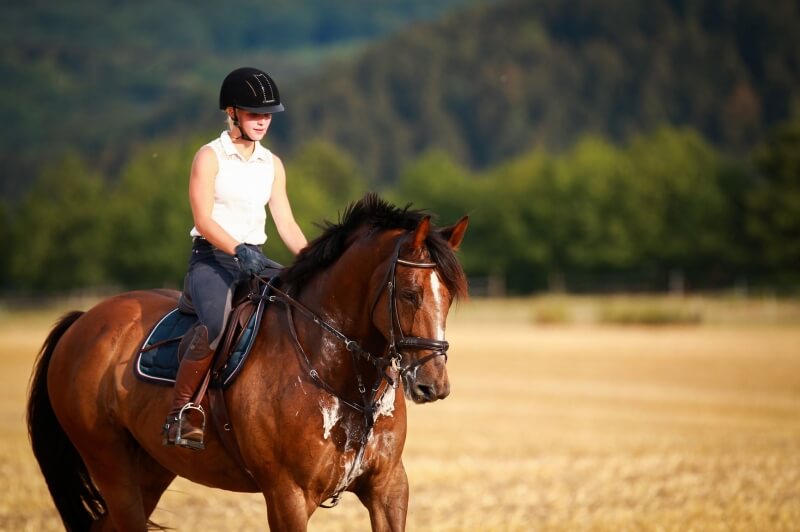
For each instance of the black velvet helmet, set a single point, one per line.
(250, 89)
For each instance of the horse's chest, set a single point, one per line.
(343, 433)
(345, 427)
(338, 425)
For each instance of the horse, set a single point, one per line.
(315, 409)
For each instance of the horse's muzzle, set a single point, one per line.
(422, 391)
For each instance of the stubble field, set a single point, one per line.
(568, 426)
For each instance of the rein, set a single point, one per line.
(351, 345)
(392, 362)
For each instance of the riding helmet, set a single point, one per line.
(250, 89)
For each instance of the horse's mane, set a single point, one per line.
(374, 212)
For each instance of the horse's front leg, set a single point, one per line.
(288, 507)
(385, 495)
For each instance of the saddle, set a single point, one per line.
(157, 361)
(248, 302)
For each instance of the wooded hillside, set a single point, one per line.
(101, 78)
(482, 83)
(491, 82)
(596, 145)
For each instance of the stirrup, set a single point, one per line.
(180, 441)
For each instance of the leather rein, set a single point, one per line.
(392, 362)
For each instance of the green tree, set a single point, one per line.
(497, 223)
(151, 217)
(323, 168)
(684, 212)
(5, 237)
(513, 233)
(61, 232)
(435, 182)
(663, 203)
(596, 204)
(321, 181)
(773, 202)
(549, 215)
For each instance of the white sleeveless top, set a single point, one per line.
(242, 189)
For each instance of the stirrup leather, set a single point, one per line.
(179, 419)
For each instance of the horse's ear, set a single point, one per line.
(455, 233)
(421, 232)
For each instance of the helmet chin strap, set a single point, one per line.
(242, 134)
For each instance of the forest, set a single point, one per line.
(489, 83)
(152, 71)
(595, 217)
(616, 145)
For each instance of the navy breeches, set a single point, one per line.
(210, 283)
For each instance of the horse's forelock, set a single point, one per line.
(447, 264)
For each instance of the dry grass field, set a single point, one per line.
(558, 420)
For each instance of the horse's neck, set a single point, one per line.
(346, 307)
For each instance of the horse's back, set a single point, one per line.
(109, 329)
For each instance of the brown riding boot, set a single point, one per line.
(180, 428)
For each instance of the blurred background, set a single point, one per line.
(630, 356)
(597, 145)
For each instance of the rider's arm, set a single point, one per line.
(289, 231)
(201, 198)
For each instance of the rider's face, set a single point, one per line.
(255, 125)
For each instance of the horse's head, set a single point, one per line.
(385, 275)
(423, 278)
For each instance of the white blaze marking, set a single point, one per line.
(437, 305)
(330, 416)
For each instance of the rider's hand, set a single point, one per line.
(250, 261)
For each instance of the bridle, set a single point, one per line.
(399, 341)
(392, 362)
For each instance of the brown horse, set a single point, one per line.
(314, 409)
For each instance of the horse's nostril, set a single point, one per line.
(426, 391)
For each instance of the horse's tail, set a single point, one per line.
(73, 491)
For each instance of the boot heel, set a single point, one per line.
(190, 444)
(182, 420)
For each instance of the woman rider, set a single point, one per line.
(232, 179)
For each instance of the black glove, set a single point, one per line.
(250, 261)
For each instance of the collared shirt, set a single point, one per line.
(242, 188)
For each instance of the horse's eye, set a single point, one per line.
(412, 297)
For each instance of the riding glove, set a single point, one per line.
(250, 261)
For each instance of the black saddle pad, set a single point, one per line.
(160, 364)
